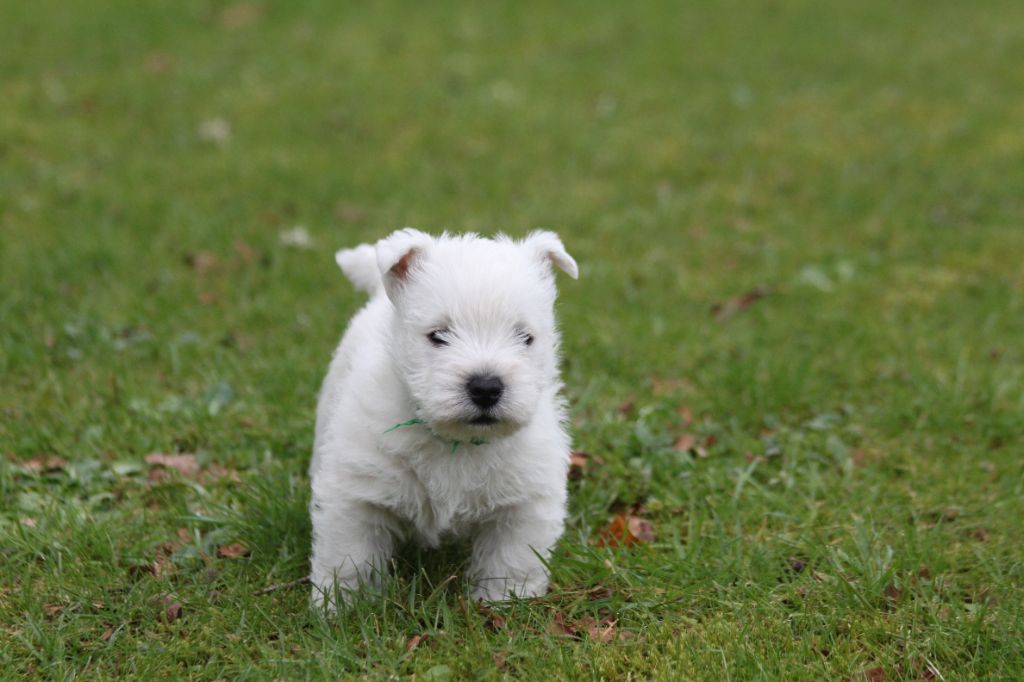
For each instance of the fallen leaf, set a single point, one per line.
(52, 610)
(893, 593)
(641, 529)
(172, 612)
(215, 471)
(498, 658)
(248, 254)
(44, 464)
(495, 621)
(661, 386)
(559, 628)
(202, 262)
(726, 309)
(685, 442)
(685, 414)
(107, 634)
(184, 464)
(414, 642)
(235, 550)
(28, 522)
(240, 15)
(603, 632)
(158, 475)
(184, 535)
(626, 407)
(980, 534)
(578, 462)
(626, 530)
(874, 674)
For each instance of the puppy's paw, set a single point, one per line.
(505, 589)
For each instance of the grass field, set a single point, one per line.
(796, 347)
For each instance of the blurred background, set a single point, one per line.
(180, 170)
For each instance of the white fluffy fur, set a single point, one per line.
(375, 486)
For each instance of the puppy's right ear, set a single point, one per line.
(397, 255)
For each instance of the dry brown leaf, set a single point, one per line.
(559, 628)
(215, 471)
(29, 522)
(184, 464)
(495, 621)
(626, 530)
(235, 550)
(641, 529)
(246, 253)
(626, 406)
(726, 309)
(685, 414)
(874, 674)
(980, 534)
(578, 464)
(498, 658)
(893, 593)
(158, 475)
(414, 642)
(172, 611)
(52, 610)
(603, 632)
(202, 262)
(184, 535)
(44, 464)
(107, 634)
(685, 442)
(661, 386)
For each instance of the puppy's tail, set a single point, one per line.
(360, 266)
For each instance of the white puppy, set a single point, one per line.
(440, 416)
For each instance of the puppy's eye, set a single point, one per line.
(526, 337)
(437, 337)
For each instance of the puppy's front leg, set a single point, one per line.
(352, 543)
(510, 549)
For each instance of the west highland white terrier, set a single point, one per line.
(440, 416)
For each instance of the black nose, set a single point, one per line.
(484, 390)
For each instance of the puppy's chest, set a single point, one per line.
(445, 498)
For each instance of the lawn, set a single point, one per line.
(796, 348)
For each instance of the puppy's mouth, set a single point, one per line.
(483, 420)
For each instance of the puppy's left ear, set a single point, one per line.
(397, 255)
(548, 248)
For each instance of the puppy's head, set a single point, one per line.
(474, 338)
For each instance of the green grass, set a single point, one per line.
(860, 507)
